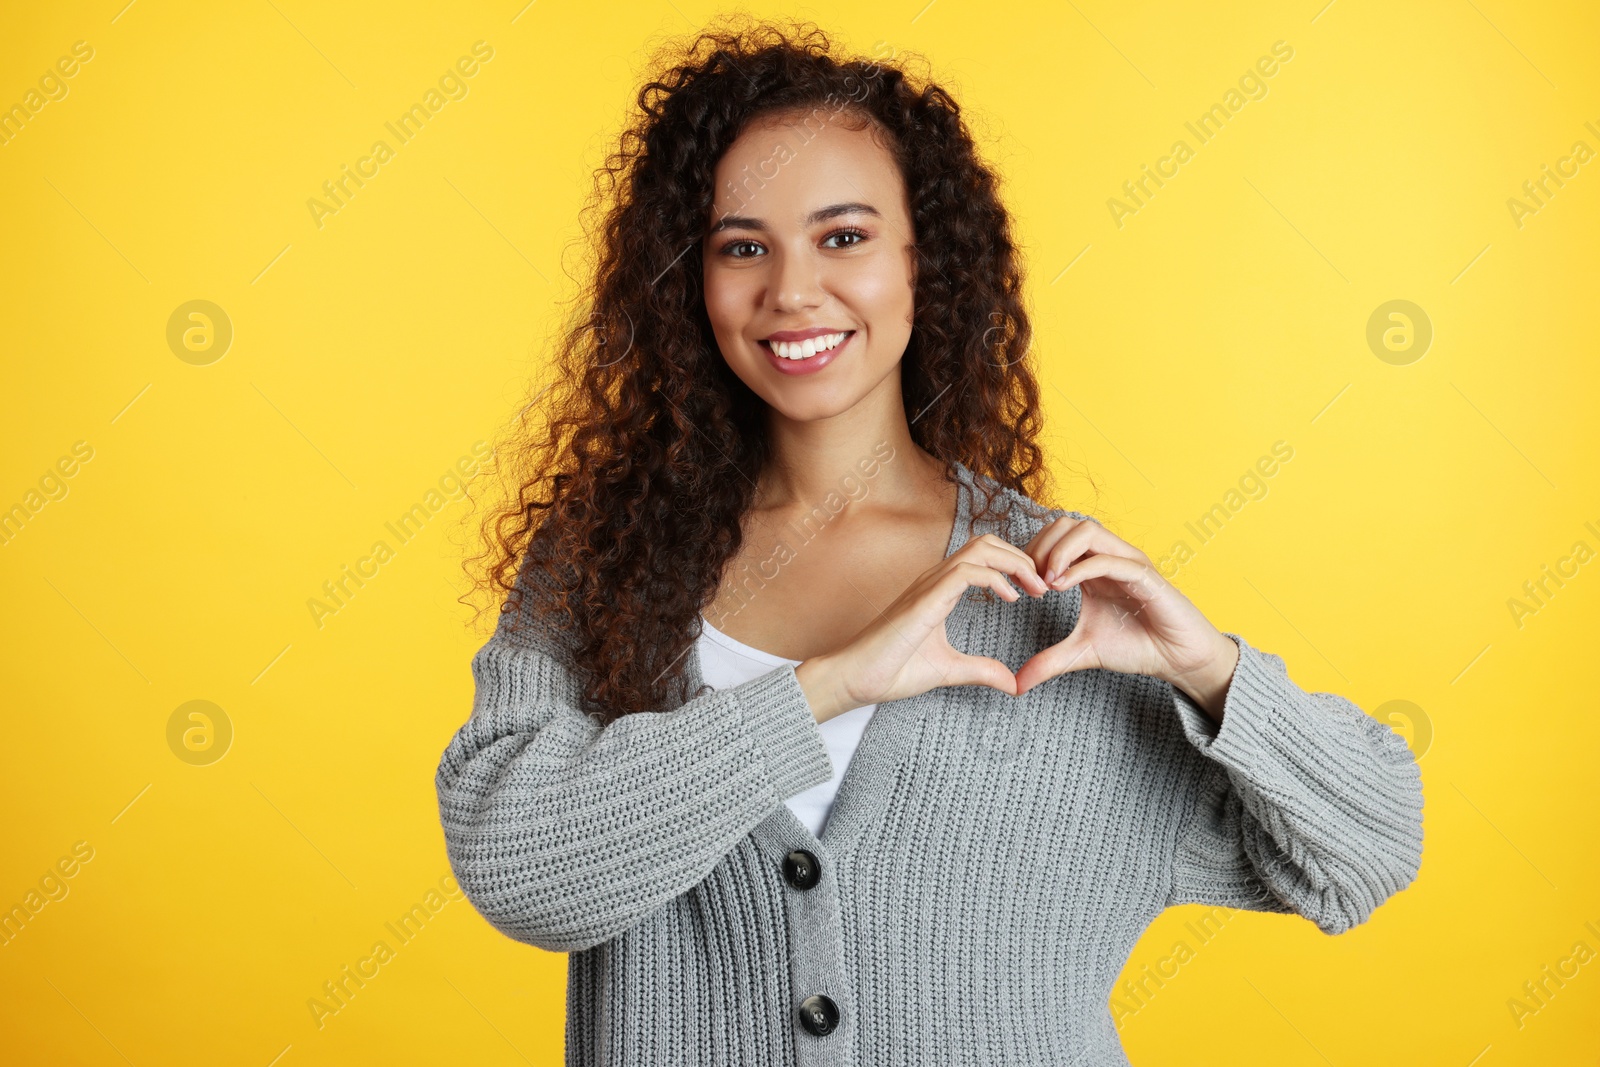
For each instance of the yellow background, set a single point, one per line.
(371, 353)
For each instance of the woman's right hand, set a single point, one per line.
(905, 651)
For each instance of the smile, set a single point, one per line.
(806, 356)
(809, 347)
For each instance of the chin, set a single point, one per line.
(808, 408)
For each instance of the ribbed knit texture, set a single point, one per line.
(988, 866)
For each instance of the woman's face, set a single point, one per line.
(810, 238)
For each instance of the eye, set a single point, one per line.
(744, 248)
(850, 231)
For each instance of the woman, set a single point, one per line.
(747, 741)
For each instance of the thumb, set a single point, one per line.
(981, 670)
(1075, 653)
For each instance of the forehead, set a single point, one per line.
(780, 169)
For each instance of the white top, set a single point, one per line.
(725, 662)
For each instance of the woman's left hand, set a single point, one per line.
(1132, 619)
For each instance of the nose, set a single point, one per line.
(795, 283)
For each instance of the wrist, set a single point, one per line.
(824, 690)
(1208, 686)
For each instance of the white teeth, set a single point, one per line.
(807, 348)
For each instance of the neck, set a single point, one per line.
(811, 459)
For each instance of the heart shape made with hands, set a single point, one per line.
(1130, 618)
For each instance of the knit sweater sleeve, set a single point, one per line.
(1304, 803)
(563, 834)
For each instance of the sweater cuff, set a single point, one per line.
(1249, 711)
(779, 722)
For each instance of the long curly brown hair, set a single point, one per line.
(627, 506)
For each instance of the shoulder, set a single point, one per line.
(1012, 515)
(534, 616)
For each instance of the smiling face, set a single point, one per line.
(809, 269)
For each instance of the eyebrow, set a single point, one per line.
(833, 211)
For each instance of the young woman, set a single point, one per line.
(807, 731)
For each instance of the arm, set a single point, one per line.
(563, 834)
(1304, 804)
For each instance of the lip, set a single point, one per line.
(801, 335)
(806, 366)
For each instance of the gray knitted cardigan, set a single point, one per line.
(987, 867)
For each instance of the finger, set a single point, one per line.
(964, 575)
(1002, 555)
(1138, 576)
(1066, 550)
(1046, 539)
(1087, 538)
(928, 604)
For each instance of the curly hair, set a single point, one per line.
(628, 506)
